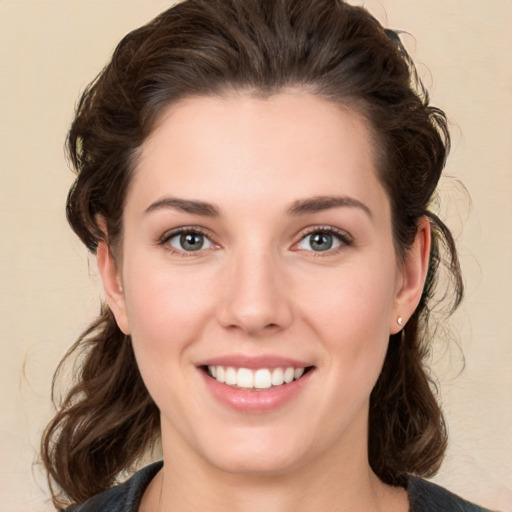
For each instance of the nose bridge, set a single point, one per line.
(255, 296)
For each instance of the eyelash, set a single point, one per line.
(192, 230)
(343, 237)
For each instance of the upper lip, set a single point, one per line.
(254, 362)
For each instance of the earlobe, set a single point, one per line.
(112, 284)
(412, 276)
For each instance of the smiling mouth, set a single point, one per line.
(259, 379)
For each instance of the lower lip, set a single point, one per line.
(255, 401)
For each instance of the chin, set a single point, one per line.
(259, 455)
(260, 465)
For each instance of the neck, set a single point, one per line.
(299, 491)
(328, 483)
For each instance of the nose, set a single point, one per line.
(256, 296)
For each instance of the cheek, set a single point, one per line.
(163, 304)
(166, 314)
(351, 302)
(351, 314)
(163, 323)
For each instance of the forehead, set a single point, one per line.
(242, 147)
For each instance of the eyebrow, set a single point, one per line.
(185, 205)
(299, 207)
(322, 203)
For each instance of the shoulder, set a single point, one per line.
(428, 497)
(121, 498)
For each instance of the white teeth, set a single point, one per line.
(220, 374)
(244, 378)
(288, 375)
(231, 376)
(298, 373)
(277, 377)
(263, 378)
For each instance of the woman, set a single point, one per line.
(254, 177)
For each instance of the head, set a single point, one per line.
(327, 51)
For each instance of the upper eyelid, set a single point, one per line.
(325, 229)
(301, 234)
(164, 241)
(184, 229)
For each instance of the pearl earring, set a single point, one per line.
(400, 320)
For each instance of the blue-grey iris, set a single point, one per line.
(192, 241)
(321, 241)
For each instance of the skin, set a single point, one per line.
(258, 288)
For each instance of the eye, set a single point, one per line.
(189, 241)
(322, 240)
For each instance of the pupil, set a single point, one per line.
(321, 242)
(191, 241)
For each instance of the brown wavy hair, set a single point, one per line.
(107, 420)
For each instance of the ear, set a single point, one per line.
(112, 283)
(413, 274)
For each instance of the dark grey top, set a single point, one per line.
(424, 496)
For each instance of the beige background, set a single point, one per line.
(50, 49)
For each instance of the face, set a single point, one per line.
(259, 280)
